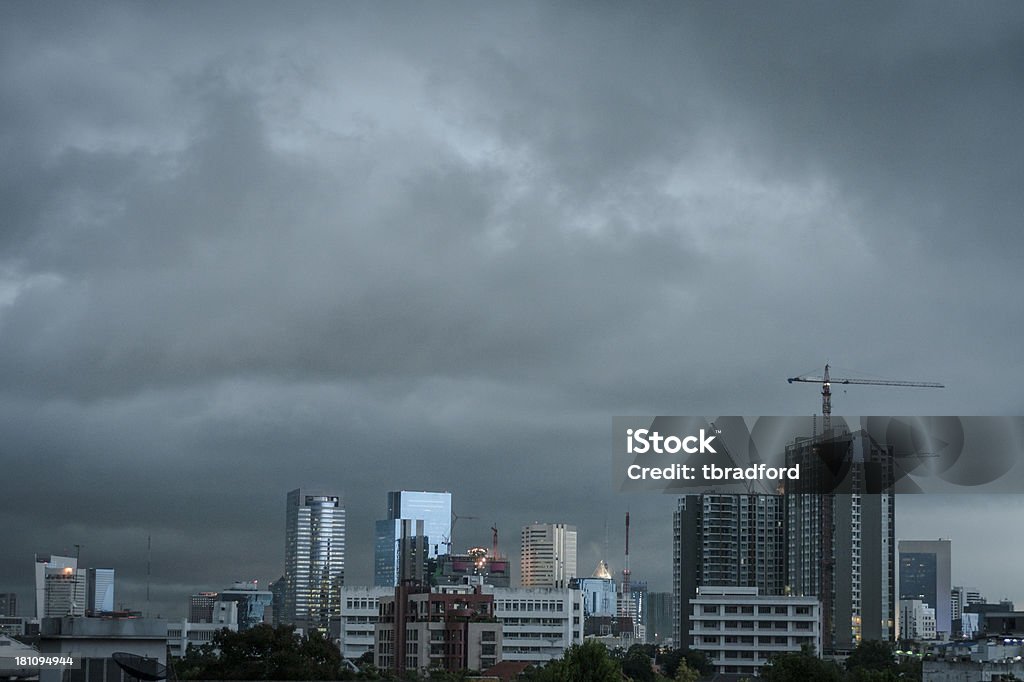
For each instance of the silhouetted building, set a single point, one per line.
(659, 617)
(200, 607)
(277, 590)
(8, 604)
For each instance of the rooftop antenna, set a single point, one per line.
(149, 568)
(625, 575)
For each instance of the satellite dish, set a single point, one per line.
(140, 667)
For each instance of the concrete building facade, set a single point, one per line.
(453, 628)
(740, 630)
(538, 624)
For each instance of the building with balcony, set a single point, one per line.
(450, 628)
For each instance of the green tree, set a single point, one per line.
(684, 673)
(587, 662)
(637, 665)
(872, 655)
(799, 667)
(696, 660)
(262, 653)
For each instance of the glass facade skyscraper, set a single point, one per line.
(314, 558)
(433, 509)
(100, 590)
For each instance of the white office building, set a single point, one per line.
(43, 563)
(182, 633)
(353, 629)
(65, 592)
(538, 624)
(740, 630)
(917, 621)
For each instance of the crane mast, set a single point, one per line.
(826, 382)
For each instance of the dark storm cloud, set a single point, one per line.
(246, 248)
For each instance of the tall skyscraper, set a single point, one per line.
(433, 509)
(925, 567)
(99, 590)
(841, 546)
(45, 562)
(548, 555)
(725, 540)
(314, 564)
(65, 590)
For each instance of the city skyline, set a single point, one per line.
(248, 248)
(171, 604)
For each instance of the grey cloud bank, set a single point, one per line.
(246, 247)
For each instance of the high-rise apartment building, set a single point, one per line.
(548, 555)
(924, 575)
(841, 545)
(725, 540)
(432, 508)
(314, 558)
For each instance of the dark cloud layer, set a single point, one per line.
(250, 247)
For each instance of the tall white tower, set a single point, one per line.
(548, 555)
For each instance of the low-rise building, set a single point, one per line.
(95, 640)
(181, 634)
(451, 628)
(353, 629)
(539, 623)
(740, 630)
(917, 621)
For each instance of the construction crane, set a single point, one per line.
(447, 540)
(826, 389)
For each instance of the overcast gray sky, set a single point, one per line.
(250, 247)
